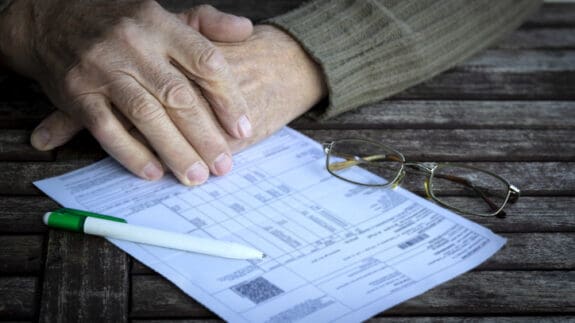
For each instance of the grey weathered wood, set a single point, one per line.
(23, 214)
(15, 145)
(476, 293)
(553, 14)
(534, 251)
(534, 214)
(539, 38)
(466, 144)
(167, 300)
(18, 298)
(21, 254)
(398, 114)
(84, 277)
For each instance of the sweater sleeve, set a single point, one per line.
(372, 49)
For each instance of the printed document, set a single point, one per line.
(336, 252)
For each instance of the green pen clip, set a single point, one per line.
(73, 220)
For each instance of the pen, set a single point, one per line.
(118, 228)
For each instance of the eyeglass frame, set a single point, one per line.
(429, 168)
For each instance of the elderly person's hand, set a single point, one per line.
(113, 65)
(276, 76)
(279, 80)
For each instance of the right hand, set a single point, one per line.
(110, 66)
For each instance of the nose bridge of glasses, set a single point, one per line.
(426, 168)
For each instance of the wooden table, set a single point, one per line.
(510, 109)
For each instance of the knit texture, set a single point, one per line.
(370, 50)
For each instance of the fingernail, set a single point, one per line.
(152, 171)
(244, 127)
(197, 174)
(41, 138)
(223, 164)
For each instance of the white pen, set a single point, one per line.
(118, 228)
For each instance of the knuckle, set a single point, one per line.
(141, 110)
(175, 94)
(125, 30)
(211, 61)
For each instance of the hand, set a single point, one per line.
(276, 76)
(113, 65)
(279, 80)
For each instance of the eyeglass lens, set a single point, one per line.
(347, 159)
(468, 189)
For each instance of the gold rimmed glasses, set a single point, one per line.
(464, 189)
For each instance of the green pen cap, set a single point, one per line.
(73, 220)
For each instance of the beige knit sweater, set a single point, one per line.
(372, 49)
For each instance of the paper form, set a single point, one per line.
(335, 251)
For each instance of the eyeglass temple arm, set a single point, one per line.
(352, 160)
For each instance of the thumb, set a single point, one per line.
(217, 25)
(57, 129)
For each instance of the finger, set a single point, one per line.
(55, 130)
(95, 112)
(217, 25)
(151, 119)
(201, 61)
(190, 113)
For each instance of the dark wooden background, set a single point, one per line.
(510, 109)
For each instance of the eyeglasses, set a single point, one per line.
(464, 189)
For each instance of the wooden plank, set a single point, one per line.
(539, 38)
(553, 14)
(15, 146)
(463, 85)
(85, 277)
(18, 176)
(466, 144)
(21, 254)
(532, 178)
(534, 251)
(153, 296)
(23, 214)
(448, 114)
(474, 293)
(534, 214)
(18, 298)
(523, 251)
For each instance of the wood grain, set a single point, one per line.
(84, 277)
(18, 298)
(21, 254)
(478, 292)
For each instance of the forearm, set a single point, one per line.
(370, 50)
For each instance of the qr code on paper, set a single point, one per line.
(257, 290)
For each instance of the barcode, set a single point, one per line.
(257, 290)
(413, 241)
